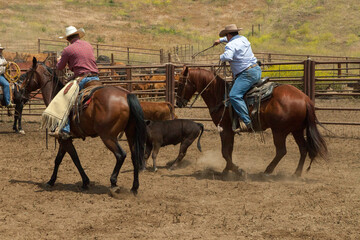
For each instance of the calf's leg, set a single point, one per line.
(183, 148)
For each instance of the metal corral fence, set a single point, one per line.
(194, 55)
(125, 55)
(334, 86)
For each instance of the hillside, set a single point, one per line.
(329, 27)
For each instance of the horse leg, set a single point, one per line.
(120, 156)
(130, 135)
(59, 157)
(19, 111)
(15, 122)
(301, 142)
(70, 148)
(280, 144)
(67, 146)
(227, 146)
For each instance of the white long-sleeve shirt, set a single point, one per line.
(3, 63)
(238, 53)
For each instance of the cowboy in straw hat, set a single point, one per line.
(3, 82)
(245, 70)
(79, 57)
(71, 30)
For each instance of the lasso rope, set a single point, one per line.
(10, 67)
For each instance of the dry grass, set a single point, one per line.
(312, 27)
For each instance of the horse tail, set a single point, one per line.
(316, 144)
(140, 129)
(202, 130)
(172, 111)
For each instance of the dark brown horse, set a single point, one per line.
(288, 111)
(111, 111)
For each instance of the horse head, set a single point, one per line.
(40, 76)
(185, 89)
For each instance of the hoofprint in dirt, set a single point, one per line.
(192, 202)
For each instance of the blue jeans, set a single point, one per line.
(6, 89)
(82, 83)
(240, 86)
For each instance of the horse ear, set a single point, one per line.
(34, 62)
(185, 70)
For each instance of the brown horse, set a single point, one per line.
(288, 111)
(111, 111)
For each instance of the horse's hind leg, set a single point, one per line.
(280, 144)
(301, 142)
(120, 156)
(130, 135)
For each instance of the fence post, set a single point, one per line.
(39, 45)
(112, 63)
(309, 78)
(129, 77)
(97, 50)
(339, 69)
(128, 56)
(312, 81)
(170, 84)
(169, 57)
(306, 77)
(161, 56)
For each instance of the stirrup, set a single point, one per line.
(60, 135)
(243, 127)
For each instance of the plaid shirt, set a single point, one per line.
(79, 56)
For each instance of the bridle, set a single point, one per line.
(184, 83)
(187, 80)
(27, 81)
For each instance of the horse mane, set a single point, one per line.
(55, 78)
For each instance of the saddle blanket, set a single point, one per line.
(56, 114)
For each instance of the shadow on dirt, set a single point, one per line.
(77, 187)
(212, 174)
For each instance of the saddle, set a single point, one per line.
(259, 92)
(83, 100)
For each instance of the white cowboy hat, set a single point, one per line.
(71, 30)
(1, 48)
(229, 29)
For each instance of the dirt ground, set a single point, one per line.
(195, 201)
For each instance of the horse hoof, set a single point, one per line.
(21, 131)
(155, 169)
(242, 173)
(134, 191)
(50, 183)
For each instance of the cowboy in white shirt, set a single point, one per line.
(3, 82)
(245, 70)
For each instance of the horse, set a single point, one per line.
(19, 101)
(289, 110)
(110, 111)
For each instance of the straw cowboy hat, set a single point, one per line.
(71, 30)
(1, 48)
(229, 29)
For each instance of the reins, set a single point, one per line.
(215, 75)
